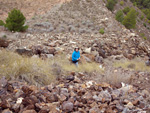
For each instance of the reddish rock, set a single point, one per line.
(27, 90)
(4, 43)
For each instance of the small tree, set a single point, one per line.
(110, 4)
(130, 19)
(126, 10)
(15, 21)
(119, 16)
(1, 23)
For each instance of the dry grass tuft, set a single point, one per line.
(136, 64)
(31, 70)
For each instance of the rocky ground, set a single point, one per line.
(57, 32)
(73, 94)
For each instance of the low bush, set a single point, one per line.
(111, 4)
(126, 10)
(119, 16)
(101, 31)
(144, 24)
(1, 23)
(122, 3)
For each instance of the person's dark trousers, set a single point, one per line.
(75, 62)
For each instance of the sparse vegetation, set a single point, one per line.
(142, 34)
(101, 31)
(119, 16)
(130, 19)
(126, 10)
(145, 38)
(15, 21)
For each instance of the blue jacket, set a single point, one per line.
(75, 55)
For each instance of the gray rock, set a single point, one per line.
(61, 29)
(50, 29)
(49, 56)
(99, 59)
(71, 28)
(67, 106)
(43, 24)
(70, 78)
(81, 30)
(104, 95)
(147, 63)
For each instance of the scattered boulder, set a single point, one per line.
(26, 52)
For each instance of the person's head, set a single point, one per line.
(76, 49)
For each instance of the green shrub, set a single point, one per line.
(122, 3)
(110, 4)
(126, 10)
(130, 19)
(148, 16)
(144, 24)
(1, 23)
(145, 38)
(101, 31)
(15, 21)
(119, 16)
(142, 17)
(149, 21)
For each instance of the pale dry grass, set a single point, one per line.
(83, 67)
(37, 71)
(136, 64)
(31, 70)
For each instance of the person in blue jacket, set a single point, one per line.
(76, 56)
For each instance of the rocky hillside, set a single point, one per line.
(72, 94)
(89, 25)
